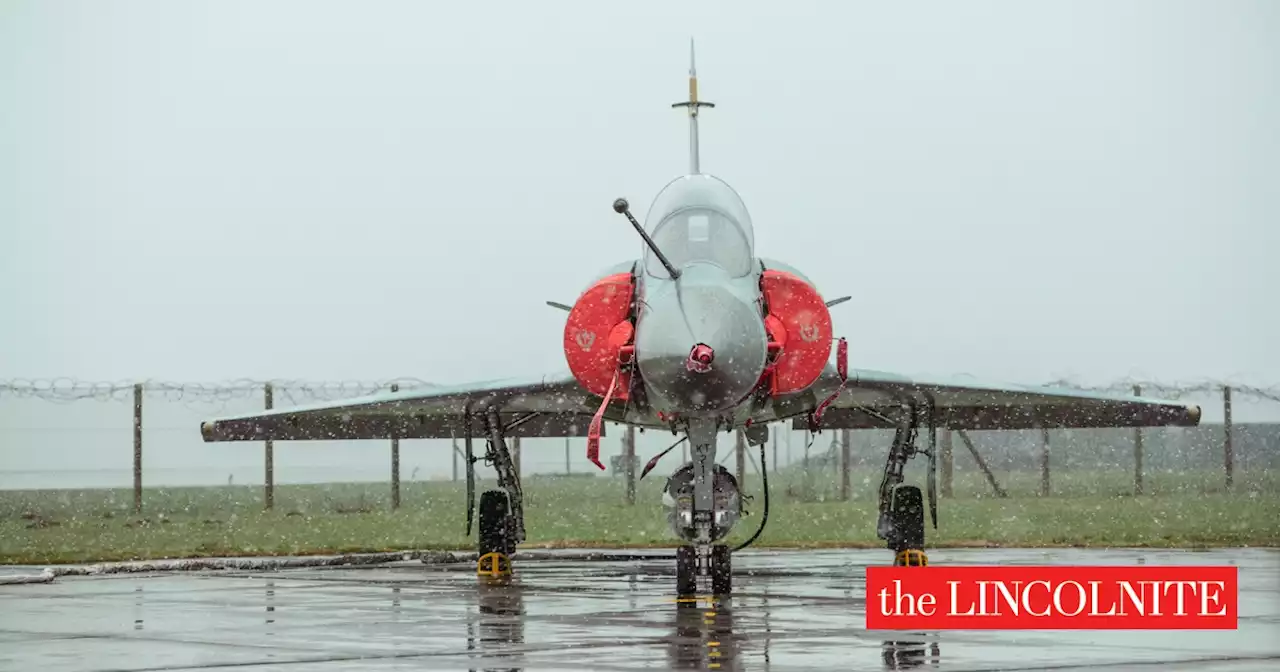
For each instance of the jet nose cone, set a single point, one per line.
(701, 349)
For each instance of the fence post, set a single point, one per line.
(395, 462)
(629, 462)
(515, 457)
(268, 456)
(567, 468)
(775, 449)
(1137, 450)
(947, 459)
(1228, 459)
(137, 448)
(1044, 462)
(740, 454)
(844, 464)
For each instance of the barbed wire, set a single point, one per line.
(67, 390)
(1175, 390)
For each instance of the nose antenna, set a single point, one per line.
(621, 207)
(693, 105)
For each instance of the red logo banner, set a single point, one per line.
(1051, 598)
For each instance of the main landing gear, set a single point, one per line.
(901, 522)
(907, 514)
(502, 510)
(497, 539)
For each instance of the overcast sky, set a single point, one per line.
(323, 190)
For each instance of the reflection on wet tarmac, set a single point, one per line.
(790, 611)
(271, 604)
(138, 608)
(704, 637)
(499, 628)
(904, 655)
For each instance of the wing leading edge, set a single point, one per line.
(871, 397)
(556, 405)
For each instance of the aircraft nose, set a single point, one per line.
(699, 349)
(700, 358)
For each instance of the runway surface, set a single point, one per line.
(791, 611)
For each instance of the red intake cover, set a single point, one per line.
(596, 331)
(796, 307)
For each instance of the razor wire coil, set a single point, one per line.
(68, 390)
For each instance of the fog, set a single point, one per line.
(198, 192)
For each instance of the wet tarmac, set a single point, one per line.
(791, 611)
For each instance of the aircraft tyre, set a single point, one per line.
(687, 571)
(907, 513)
(497, 527)
(721, 571)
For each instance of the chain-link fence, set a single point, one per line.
(68, 434)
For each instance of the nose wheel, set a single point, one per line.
(714, 574)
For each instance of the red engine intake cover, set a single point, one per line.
(796, 309)
(597, 329)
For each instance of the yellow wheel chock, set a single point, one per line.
(493, 565)
(911, 557)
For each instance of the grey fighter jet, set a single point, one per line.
(699, 335)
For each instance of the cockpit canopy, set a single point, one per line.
(700, 218)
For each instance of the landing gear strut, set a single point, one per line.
(705, 503)
(901, 522)
(502, 510)
(703, 563)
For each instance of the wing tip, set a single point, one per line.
(217, 431)
(1176, 415)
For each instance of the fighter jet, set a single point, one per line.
(699, 335)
